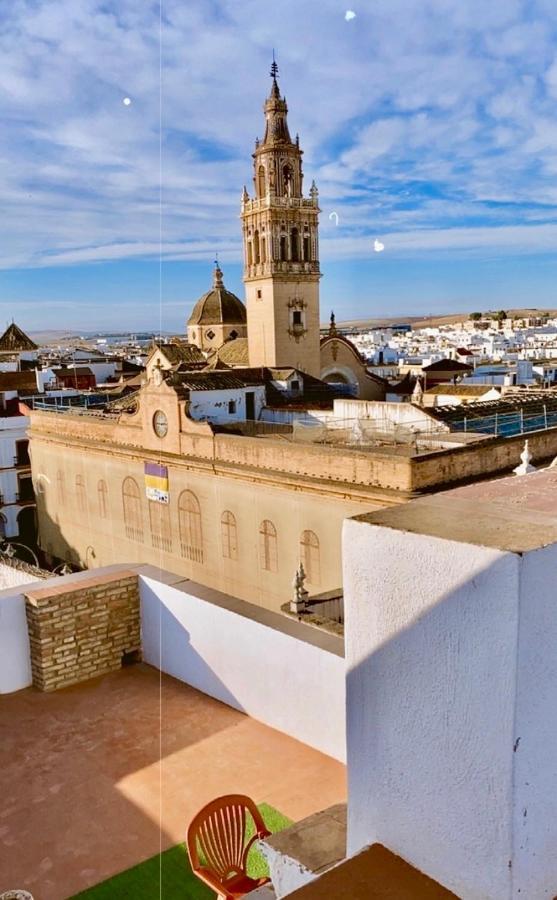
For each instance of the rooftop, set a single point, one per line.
(15, 340)
(113, 772)
(516, 514)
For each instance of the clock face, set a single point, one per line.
(160, 423)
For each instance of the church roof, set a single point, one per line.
(184, 382)
(232, 353)
(218, 306)
(178, 352)
(14, 340)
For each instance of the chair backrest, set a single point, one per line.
(219, 832)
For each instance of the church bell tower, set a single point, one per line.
(281, 252)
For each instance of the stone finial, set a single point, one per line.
(313, 192)
(245, 195)
(332, 326)
(525, 468)
(217, 276)
(300, 596)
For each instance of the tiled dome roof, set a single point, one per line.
(218, 306)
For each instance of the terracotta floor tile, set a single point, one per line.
(81, 773)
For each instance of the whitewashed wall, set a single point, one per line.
(102, 370)
(256, 665)
(451, 698)
(15, 659)
(213, 405)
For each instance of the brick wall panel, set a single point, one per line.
(80, 632)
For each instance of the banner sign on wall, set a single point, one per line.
(156, 482)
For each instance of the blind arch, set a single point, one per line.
(131, 501)
(268, 551)
(190, 526)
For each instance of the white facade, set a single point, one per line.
(101, 370)
(13, 429)
(451, 697)
(222, 406)
(15, 656)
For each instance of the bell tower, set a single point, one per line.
(281, 252)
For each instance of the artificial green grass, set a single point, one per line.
(168, 876)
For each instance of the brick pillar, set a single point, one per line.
(80, 629)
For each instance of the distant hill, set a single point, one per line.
(436, 321)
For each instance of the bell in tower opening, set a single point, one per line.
(281, 251)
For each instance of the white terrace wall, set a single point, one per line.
(15, 661)
(451, 727)
(15, 655)
(283, 673)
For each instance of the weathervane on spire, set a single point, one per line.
(274, 68)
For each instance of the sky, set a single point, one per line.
(428, 125)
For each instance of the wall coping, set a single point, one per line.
(331, 643)
(66, 584)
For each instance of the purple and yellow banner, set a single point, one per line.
(156, 482)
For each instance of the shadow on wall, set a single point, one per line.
(50, 536)
(432, 711)
(166, 644)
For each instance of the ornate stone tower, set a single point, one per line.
(281, 264)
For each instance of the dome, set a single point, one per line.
(218, 306)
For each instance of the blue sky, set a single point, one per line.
(427, 124)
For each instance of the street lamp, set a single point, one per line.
(8, 549)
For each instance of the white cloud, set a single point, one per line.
(437, 97)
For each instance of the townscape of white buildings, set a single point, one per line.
(508, 351)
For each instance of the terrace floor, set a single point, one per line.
(97, 777)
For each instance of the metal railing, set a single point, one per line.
(508, 424)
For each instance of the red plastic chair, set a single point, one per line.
(218, 834)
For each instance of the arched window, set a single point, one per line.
(268, 554)
(261, 189)
(189, 520)
(256, 246)
(283, 250)
(80, 496)
(159, 521)
(307, 249)
(102, 497)
(294, 245)
(287, 177)
(133, 520)
(229, 535)
(60, 488)
(263, 248)
(250, 254)
(309, 555)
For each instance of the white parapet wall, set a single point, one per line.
(452, 688)
(15, 660)
(283, 673)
